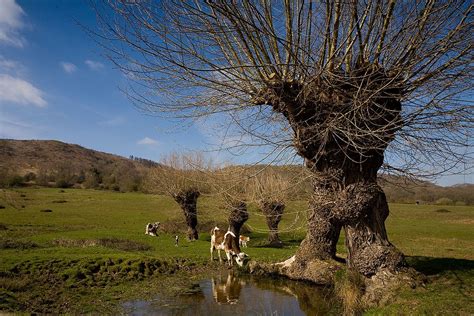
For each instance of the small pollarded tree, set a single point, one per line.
(351, 86)
(231, 186)
(270, 191)
(181, 177)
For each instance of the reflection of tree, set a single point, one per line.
(312, 300)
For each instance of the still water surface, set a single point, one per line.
(228, 294)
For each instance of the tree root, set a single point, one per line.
(377, 290)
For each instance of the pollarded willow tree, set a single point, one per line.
(351, 85)
(181, 177)
(271, 191)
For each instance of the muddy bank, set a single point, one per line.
(89, 285)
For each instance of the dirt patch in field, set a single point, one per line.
(465, 221)
(114, 243)
(17, 244)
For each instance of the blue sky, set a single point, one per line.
(59, 86)
(56, 84)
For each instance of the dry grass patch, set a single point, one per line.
(15, 284)
(464, 221)
(17, 244)
(114, 243)
(349, 287)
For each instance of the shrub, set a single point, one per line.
(30, 176)
(15, 181)
(444, 201)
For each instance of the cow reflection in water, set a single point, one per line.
(227, 291)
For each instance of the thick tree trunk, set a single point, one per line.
(369, 250)
(322, 235)
(187, 199)
(354, 201)
(273, 212)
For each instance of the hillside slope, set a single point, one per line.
(48, 162)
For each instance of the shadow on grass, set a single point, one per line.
(432, 266)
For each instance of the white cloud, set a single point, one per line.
(148, 141)
(68, 67)
(19, 91)
(10, 23)
(12, 67)
(94, 65)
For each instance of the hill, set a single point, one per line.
(50, 162)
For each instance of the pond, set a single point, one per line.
(229, 294)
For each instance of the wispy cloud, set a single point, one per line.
(148, 141)
(10, 23)
(94, 65)
(68, 67)
(15, 90)
(15, 129)
(114, 121)
(12, 67)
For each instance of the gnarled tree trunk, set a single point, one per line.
(358, 205)
(187, 199)
(342, 140)
(273, 212)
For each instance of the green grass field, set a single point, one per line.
(91, 244)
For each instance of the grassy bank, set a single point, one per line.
(91, 246)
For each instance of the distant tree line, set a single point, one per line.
(130, 177)
(116, 176)
(430, 194)
(145, 162)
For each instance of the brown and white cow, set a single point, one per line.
(243, 241)
(228, 242)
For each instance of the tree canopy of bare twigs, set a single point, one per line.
(351, 86)
(181, 177)
(193, 58)
(271, 191)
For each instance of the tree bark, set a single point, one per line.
(273, 212)
(187, 200)
(353, 201)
